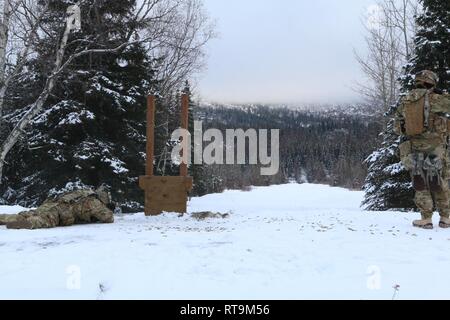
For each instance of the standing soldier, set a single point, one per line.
(423, 122)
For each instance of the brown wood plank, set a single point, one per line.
(171, 207)
(184, 125)
(164, 198)
(166, 194)
(151, 102)
(146, 182)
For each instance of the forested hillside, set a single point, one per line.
(327, 146)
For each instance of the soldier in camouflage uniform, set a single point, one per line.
(78, 207)
(423, 122)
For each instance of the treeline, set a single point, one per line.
(327, 147)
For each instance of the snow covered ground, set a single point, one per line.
(281, 242)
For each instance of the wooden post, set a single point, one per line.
(184, 125)
(151, 102)
(165, 194)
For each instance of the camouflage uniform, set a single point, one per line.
(78, 207)
(423, 122)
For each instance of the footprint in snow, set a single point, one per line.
(45, 245)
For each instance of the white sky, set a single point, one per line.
(284, 51)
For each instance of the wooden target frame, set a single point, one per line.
(165, 194)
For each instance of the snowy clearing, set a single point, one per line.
(281, 242)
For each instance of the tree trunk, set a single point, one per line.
(37, 106)
(4, 36)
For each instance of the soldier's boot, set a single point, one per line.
(33, 220)
(442, 202)
(425, 203)
(444, 223)
(7, 218)
(426, 224)
(20, 224)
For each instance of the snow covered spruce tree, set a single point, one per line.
(388, 184)
(93, 129)
(432, 44)
(202, 179)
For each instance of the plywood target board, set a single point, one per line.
(165, 194)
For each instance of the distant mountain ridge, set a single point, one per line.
(327, 146)
(348, 109)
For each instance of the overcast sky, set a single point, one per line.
(284, 51)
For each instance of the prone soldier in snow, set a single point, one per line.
(77, 207)
(423, 122)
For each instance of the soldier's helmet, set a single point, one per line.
(427, 79)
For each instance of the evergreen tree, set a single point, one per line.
(93, 129)
(388, 183)
(197, 171)
(432, 44)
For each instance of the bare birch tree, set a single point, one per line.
(5, 21)
(4, 34)
(180, 47)
(390, 27)
(20, 31)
